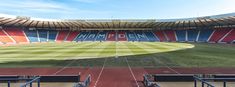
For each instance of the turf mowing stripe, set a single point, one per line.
(40, 56)
(174, 46)
(148, 48)
(54, 54)
(23, 49)
(90, 52)
(138, 59)
(108, 50)
(203, 55)
(74, 52)
(138, 49)
(33, 58)
(165, 45)
(28, 53)
(158, 47)
(80, 48)
(123, 49)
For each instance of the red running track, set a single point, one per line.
(113, 76)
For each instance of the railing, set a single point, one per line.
(206, 80)
(85, 83)
(29, 83)
(148, 83)
(203, 82)
(18, 78)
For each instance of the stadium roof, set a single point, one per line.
(225, 20)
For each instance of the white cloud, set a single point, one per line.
(112, 9)
(6, 15)
(89, 1)
(34, 8)
(25, 5)
(48, 9)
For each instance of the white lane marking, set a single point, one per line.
(173, 70)
(132, 73)
(170, 67)
(97, 80)
(60, 70)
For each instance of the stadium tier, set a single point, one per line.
(16, 35)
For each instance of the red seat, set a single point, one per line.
(111, 36)
(171, 35)
(218, 34)
(160, 35)
(230, 37)
(62, 36)
(72, 35)
(17, 34)
(4, 38)
(122, 36)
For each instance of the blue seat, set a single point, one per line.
(181, 35)
(52, 35)
(141, 36)
(82, 36)
(192, 35)
(204, 35)
(131, 36)
(101, 36)
(43, 35)
(92, 35)
(151, 37)
(32, 35)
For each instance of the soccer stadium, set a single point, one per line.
(192, 51)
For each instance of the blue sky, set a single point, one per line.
(120, 9)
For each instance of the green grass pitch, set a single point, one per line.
(138, 54)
